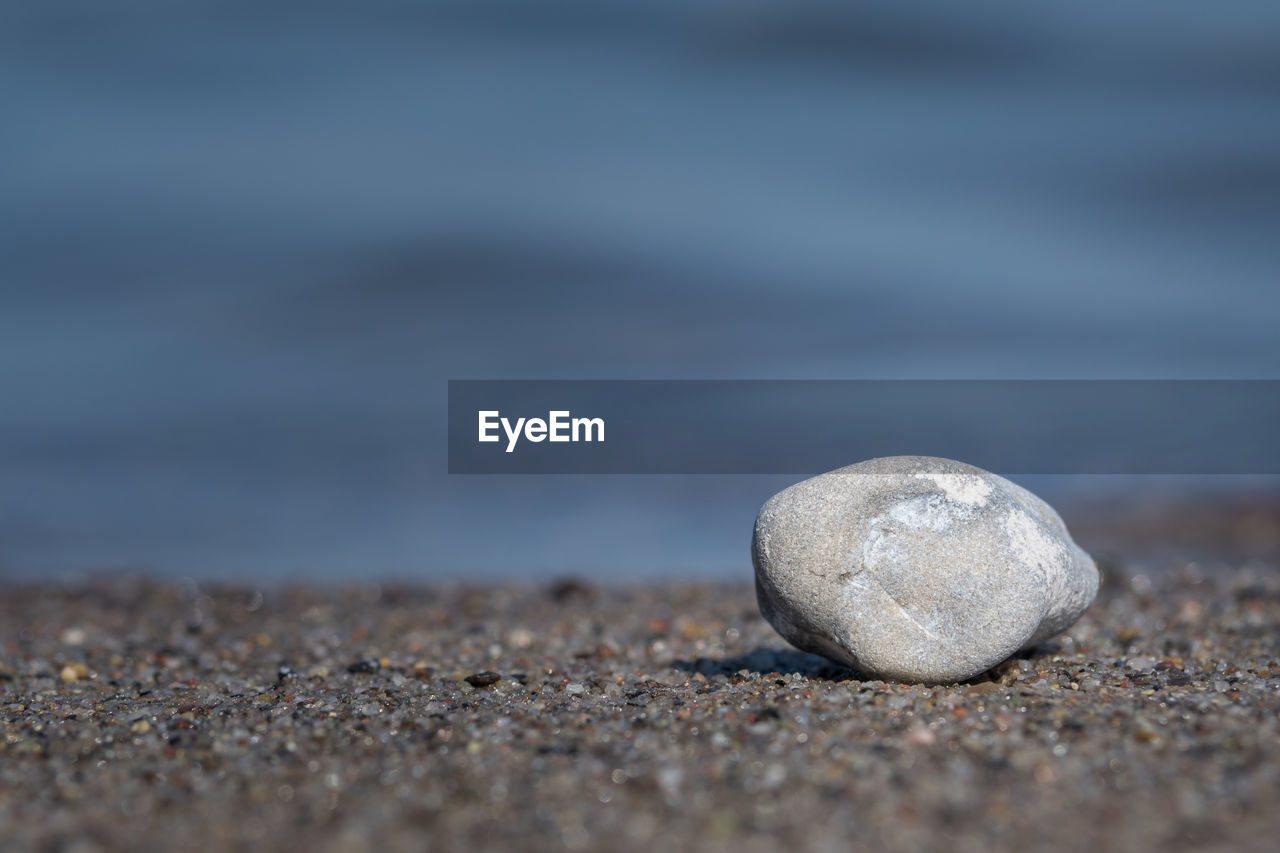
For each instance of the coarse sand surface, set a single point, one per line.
(140, 715)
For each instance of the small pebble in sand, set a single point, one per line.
(921, 736)
(483, 679)
(74, 672)
(74, 636)
(916, 568)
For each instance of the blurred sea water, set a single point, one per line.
(244, 245)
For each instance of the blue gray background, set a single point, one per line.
(244, 245)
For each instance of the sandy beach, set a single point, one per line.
(144, 716)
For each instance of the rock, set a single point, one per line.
(917, 569)
(483, 679)
(73, 672)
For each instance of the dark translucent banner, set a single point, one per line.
(806, 427)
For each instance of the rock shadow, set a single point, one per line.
(766, 661)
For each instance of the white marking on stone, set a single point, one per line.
(961, 488)
(878, 547)
(924, 512)
(859, 586)
(1029, 542)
